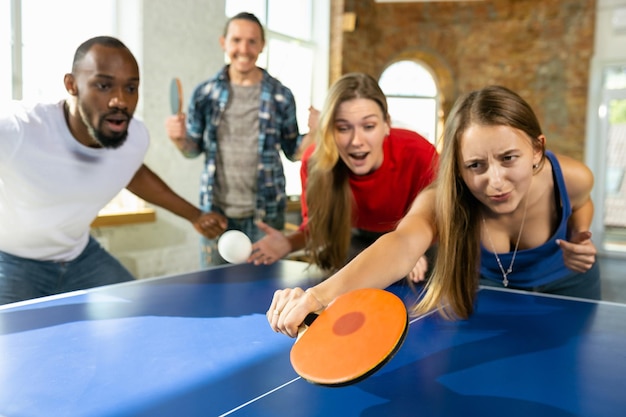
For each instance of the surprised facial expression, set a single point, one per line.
(106, 82)
(360, 129)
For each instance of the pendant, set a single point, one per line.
(505, 276)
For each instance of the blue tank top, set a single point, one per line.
(540, 265)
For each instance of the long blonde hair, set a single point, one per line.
(329, 197)
(455, 277)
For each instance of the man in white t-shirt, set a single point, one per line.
(60, 163)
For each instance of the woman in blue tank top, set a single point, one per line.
(502, 211)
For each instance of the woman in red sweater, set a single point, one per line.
(359, 179)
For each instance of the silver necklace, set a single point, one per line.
(505, 274)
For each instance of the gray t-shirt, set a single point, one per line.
(237, 153)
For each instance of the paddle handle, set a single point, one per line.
(308, 320)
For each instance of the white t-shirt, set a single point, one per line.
(51, 186)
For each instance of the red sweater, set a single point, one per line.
(384, 196)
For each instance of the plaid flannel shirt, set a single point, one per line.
(278, 129)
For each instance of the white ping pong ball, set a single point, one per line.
(234, 246)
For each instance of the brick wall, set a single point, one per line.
(542, 49)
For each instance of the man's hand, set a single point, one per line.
(271, 248)
(175, 127)
(314, 118)
(210, 225)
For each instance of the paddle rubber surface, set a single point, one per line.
(176, 96)
(351, 339)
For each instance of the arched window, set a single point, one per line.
(412, 96)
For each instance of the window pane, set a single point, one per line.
(414, 114)
(5, 51)
(292, 64)
(52, 30)
(290, 17)
(408, 78)
(615, 184)
(412, 97)
(616, 78)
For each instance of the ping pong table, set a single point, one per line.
(198, 344)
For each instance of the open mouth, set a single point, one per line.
(359, 156)
(117, 123)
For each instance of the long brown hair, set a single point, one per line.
(455, 277)
(329, 197)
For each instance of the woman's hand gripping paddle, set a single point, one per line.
(351, 339)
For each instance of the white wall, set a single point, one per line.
(610, 36)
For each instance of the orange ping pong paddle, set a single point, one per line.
(176, 96)
(351, 339)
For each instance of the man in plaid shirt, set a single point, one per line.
(240, 119)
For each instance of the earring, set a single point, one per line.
(535, 166)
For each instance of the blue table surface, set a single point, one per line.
(198, 344)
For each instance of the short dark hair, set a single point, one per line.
(84, 47)
(250, 18)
